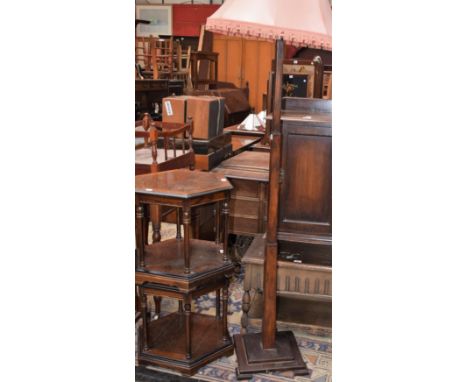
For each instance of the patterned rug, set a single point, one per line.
(314, 342)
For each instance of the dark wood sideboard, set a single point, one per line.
(248, 173)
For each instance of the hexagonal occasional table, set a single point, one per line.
(183, 269)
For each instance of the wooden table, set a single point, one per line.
(183, 269)
(238, 130)
(259, 146)
(243, 139)
(241, 143)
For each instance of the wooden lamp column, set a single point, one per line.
(271, 250)
(271, 350)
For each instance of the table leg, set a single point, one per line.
(225, 213)
(140, 237)
(155, 216)
(218, 304)
(144, 315)
(218, 222)
(178, 223)
(187, 221)
(245, 311)
(188, 334)
(225, 311)
(157, 306)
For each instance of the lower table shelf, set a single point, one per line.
(166, 342)
(167, 257)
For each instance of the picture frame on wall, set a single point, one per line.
(160, 18)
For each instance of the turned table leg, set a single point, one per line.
(188, 334)
(146, 222)
(225, 213)
(155, 217)
(178, 223)
(144, 315)
(186, 220)
(140, 237)
(225, 312)
(217, 212)
(218, 304)
(157, 306)
(245, 311)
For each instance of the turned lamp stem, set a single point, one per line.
(271, 250)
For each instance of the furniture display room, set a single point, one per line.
(233, 196)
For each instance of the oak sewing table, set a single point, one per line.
(183, 269)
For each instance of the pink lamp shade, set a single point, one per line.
(299, 22)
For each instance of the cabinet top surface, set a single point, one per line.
(306, 117)
(247, 165)
(301, 116)
(181, 183)
(249, 159)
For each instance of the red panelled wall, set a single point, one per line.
(187, 18)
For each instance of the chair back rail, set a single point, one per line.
(168, 131)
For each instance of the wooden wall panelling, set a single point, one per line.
(249, 70)
(266, 51)
(220, 46)
(234, 61)
(241, 61)
(229, 59)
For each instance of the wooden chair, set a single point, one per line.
(143, 46)
(183, 66)
(196, 59)
(162, 58)
(176, 152)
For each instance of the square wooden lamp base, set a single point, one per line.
(252, 358)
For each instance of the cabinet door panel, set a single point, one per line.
(305, 193)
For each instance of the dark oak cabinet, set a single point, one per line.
(305, 190)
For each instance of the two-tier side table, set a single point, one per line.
(183, 269)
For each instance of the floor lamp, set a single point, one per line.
(303, 23)
(271, 350)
